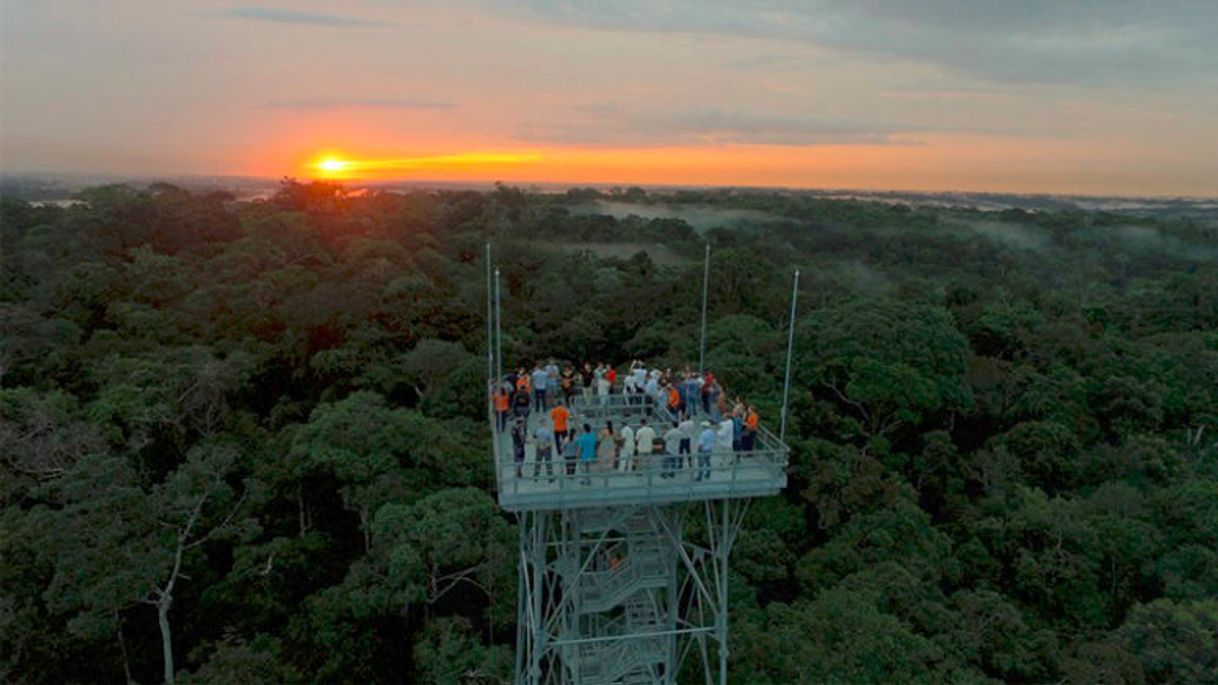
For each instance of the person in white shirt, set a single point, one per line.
(602, 385)
(626, 454)
(645, 438)
(723, 438)
(651, 393)
(706, 443)
(672, 446)
(688, 429)
(638, 372)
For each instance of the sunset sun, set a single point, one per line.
(331, 165)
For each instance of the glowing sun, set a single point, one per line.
(331, 165)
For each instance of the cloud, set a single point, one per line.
(1090, 42)
(284, 16)
(714, 126)
(361, 103)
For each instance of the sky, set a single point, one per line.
(1057, 96)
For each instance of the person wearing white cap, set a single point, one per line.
(706, 444)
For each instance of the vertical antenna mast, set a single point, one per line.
(705, 284)
(490, 336)
(786, 384)
(498, 328)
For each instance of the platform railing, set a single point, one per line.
(651, 474)
(658, 473)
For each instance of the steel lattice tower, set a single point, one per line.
(623, 575)
(624, 578)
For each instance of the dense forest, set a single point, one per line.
(246, 441)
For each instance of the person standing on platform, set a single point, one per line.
(519, 436)
(603, 385)
(708, 389)
(672, 445)
(638, 375)
(688, 429)
(630, 391)
(651, 392)
(751, 425)
(645, 441)
(551, 370)
(587, 451)
(706, 445)
(543, 450)
(560, 415)
(570, 455)
(725, 437)
(503, 402)
(520, 404)
(541, 381)
(674, 400)
(587, 379)
(694, 392)
(567, 382)
(683, 396)
(606, 451)
(626, 454)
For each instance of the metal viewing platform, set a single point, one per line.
(760, 472)
(613, 586)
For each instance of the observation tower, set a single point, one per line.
(623, 574)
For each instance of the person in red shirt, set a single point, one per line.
(560, 415)
(611, 376)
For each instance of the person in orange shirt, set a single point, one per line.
(751, 420)
(674, 400)
(502, 404)
(560, 415)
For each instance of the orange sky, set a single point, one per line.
(937, 163)
(1057, 97)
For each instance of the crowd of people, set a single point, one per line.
(700, 420)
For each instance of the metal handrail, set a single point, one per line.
(770, 458)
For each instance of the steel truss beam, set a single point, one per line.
(625, 594)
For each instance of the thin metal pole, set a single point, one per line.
(721, 554)
(786, 385)
(521, 625)
(705, 284)
(490, 342)
(498, 327)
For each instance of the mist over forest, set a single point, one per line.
(246, 440)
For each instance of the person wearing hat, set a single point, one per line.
(706, 444)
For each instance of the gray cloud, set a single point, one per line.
(609, 126)
(285, 16)
(1041, 41)
(612, 127)
(361, 103)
